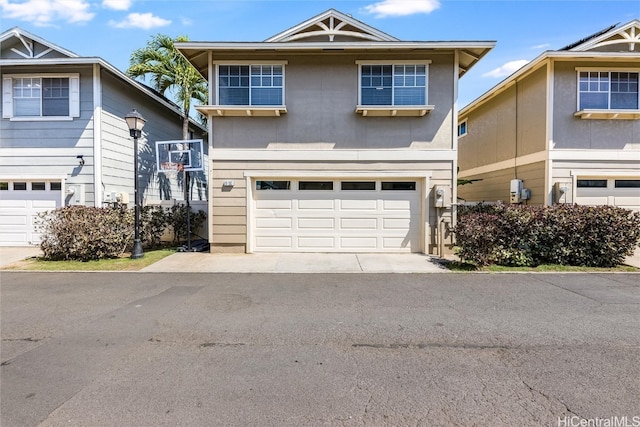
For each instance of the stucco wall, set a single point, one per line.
(321, 94)
(571, 132)
(495, 186)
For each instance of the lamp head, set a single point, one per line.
(135, 122)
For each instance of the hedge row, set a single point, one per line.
(595, 236)
(89, 233)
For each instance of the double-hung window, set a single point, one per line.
(251, 85)
(394, 88)
(608, 90)
(47, 96)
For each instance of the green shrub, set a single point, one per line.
(85, 233)
(594, 236)
(153, 223)
(177, 220)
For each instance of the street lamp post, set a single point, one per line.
(136, 122)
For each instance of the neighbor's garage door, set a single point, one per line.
(20, 204)
(619, 191)
(336, 216)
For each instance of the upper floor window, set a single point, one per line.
(608, 90)
(251, 85)
(462, 128)
(393, 84)
(30, 97)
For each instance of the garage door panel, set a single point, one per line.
(13, 220)
(316, 223)
(273, 223)
(359, 242)
(43, 205)
(396, 242)
(360, 205)
(396, 223)
(404, 205)
(317, 242)
(316, 204)
(12, 204)
(14, 239)
(358, 223)
(275, 242)
(273, 204)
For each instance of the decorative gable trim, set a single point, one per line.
(628, 34)
(28, 42)
(330, 24)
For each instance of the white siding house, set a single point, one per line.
(63, 138)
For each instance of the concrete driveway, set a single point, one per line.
(297, 263)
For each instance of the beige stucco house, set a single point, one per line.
(567, 124)
(331, 136)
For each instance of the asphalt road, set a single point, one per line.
(145, 349)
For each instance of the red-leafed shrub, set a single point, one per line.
(595, 236)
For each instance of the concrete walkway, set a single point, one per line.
(296, 263)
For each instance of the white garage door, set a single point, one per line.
(623, 192)
(20, 204)
(337, 216)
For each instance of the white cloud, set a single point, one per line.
(386, 8)
(507, 69)
(540, 46)
(47, 12)
(117, 4)
(145, 21)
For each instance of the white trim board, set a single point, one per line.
(319, 156)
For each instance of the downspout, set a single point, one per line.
(97, 137)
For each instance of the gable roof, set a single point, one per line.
(617, 38)
(332, 32)
(330, 24)
(27, 44)
(50, 54)
(615, 43)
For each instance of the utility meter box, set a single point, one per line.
(74, 194)
(515, 191)
(441, 196)
(122, 198)
(562, 192)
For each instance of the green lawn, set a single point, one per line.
(123, 263)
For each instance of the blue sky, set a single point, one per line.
(112, 29)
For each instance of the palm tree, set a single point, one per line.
(169, 71)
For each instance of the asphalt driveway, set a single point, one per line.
(154, 349)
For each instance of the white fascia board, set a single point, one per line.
(594, 155)
(320, 156)
(335, 174)
(34, 176)
(312, 46)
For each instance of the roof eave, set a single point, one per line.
(99, 61)
(536, 63)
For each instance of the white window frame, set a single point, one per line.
(7, 96)
(464, 122)
(394, 110)
(245, 110)
(606, 113)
